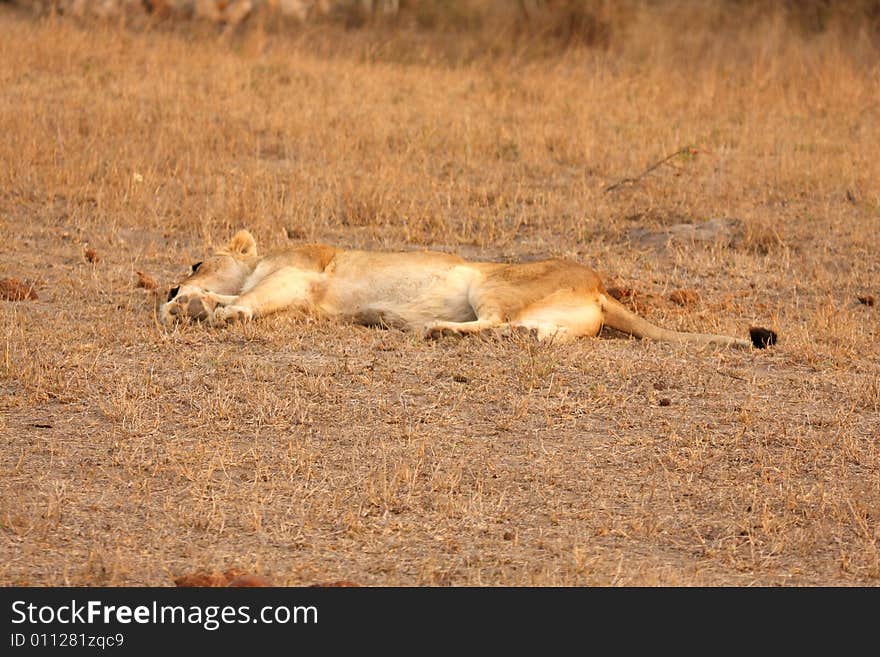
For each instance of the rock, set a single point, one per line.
(719, 230)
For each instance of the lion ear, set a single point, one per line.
(243, 243)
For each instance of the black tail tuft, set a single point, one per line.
(761, 337)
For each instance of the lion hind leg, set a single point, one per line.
(561, 317)
(542, 331)
(435, 330)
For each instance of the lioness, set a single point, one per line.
(436, 293)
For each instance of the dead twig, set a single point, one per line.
(690, 150)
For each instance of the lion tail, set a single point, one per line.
(618, 317)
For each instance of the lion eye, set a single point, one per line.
(173, 293)
(196, 266)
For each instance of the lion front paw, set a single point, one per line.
(188, 307)
(230, 314)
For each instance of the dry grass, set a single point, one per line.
(309, 451)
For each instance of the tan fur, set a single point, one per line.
(436, 293)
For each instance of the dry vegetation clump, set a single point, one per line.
(304, 451)
(145, 281)
(12, 289)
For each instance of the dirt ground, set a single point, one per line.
(306, 450)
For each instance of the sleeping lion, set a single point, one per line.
(434, 293)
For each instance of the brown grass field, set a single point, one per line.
(309, 451)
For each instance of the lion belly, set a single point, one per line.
(406, 290)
